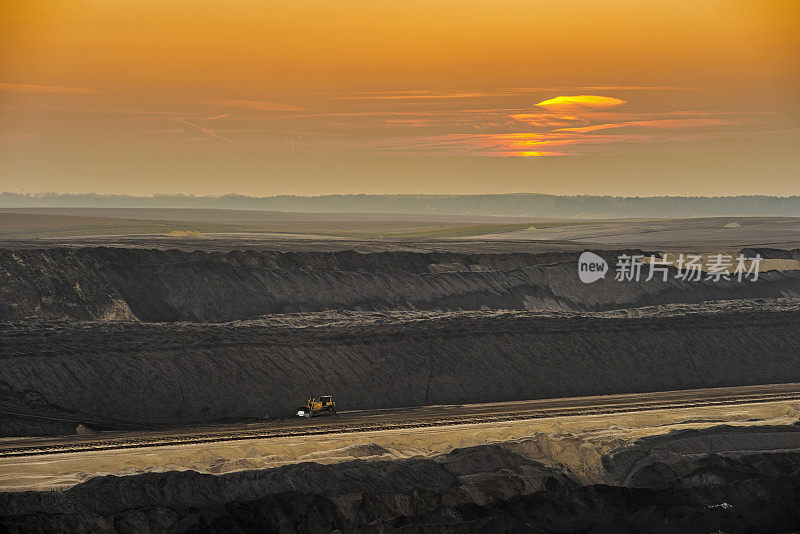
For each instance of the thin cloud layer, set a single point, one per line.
(254, 105)
(660, 123)
(520, 122)
(567, 125)
(31, 88)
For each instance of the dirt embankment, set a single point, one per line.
(129, 372)
(718, 479)
(680, 458)
(164, 286)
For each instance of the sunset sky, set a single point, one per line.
(261, 97)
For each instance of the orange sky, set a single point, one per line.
(269, 97)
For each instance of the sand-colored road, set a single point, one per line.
(403, 418)
(571, 432)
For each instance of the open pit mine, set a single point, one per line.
(146, 389)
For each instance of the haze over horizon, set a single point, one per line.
(503, 205)
(617, 97)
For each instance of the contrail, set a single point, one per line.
(210, 133)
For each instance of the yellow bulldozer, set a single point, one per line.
(318, 406)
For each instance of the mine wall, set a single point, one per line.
(111, 284)
(502, 487)
(118, 373)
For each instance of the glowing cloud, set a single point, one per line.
(660, 123)
(546, 120)
(579, 102)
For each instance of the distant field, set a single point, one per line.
(21, 225)
(238, 226)
(25, 225)
(406, 231)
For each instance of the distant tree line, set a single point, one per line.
(516, 204)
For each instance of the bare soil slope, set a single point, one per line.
(177, 373)
(171, 285)
(478, 489)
